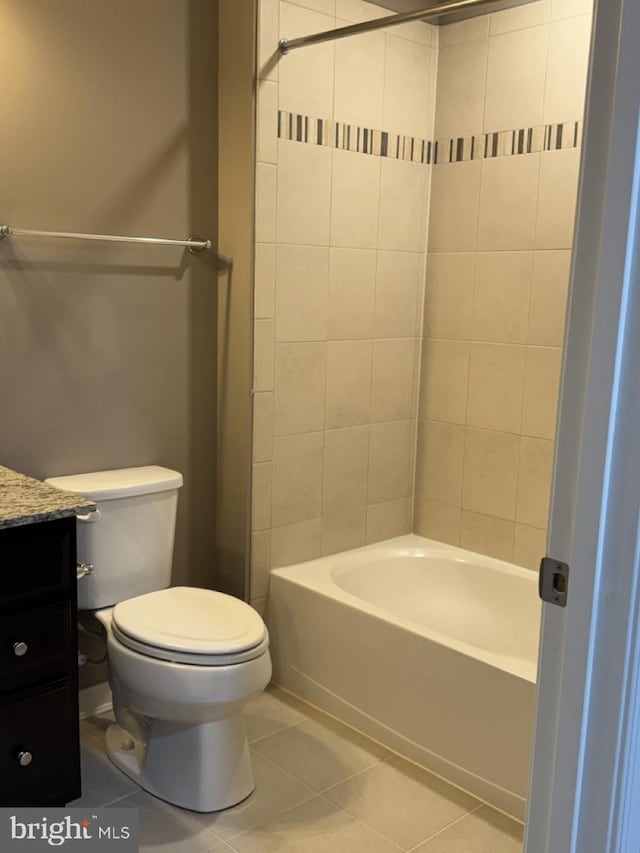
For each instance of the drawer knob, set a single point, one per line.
(24, 758)
(20, 649)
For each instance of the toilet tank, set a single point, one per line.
(129, 539)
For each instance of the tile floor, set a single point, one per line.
(320, 787)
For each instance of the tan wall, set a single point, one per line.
(499, 253)
(108, 354)
(339, 285)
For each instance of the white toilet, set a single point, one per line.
(183, 662)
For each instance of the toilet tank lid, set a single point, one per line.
(119, 483)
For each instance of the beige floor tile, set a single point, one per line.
(275, 793)
(271, 712)
(166, 828)
(102, 783)
(320, 752)
(316, 826)
(401, 801)
(485, 831)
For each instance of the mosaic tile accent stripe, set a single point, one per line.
(381, 143)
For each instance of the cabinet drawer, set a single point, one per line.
(39, 754)
(37, 559)
(34, 637)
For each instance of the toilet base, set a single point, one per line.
(204, 767)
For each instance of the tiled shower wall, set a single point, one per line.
(342, 199)
(501, 224)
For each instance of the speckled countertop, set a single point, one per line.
(24, 500)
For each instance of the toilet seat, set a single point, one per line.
(188, 625)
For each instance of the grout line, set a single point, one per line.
(445, 828)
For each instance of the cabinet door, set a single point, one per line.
(37, 560)
(32, 638)
(39, 754)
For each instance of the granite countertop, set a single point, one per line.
(24, 500)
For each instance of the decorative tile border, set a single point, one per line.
(350, 137)
(380, 143)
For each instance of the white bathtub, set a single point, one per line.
(425, 647)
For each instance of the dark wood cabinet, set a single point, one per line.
(39, 734)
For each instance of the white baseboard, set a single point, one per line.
(95, 700)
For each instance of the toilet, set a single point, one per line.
(183, 662)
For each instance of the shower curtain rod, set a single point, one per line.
(286, 45)
(193, 244)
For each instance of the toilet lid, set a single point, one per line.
(195, 621)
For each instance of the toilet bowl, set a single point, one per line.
(182, 662)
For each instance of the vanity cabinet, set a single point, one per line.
(39, 728)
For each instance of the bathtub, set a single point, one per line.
(427, 648)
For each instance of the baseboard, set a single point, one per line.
(95, 700)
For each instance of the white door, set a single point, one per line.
(585, 780)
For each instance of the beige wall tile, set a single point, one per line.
(464, 31)
(405, 103)
(266, 175)
(437, 521)
(496, 380)
(304, 192)
(265, 280)
(485, 534)
(541, 390)
(449, 295)
(490, 473)
(507, 218)
(356, 11)
(387, 520)
(348, 383)
(390, 461)
(570, 8)
(306, 76)
(260, 563)
(399, 278)
(261, 496)
(328, 7)
(567, 66)
(263, 355)
(529, 15)
(455, 196)
(295, 543)
(359, 80)
(443, 381)
(352, 280)
(268, 29)
(534, 482)
(354, 200)
(530, 547)
(263, 426)
(557, 199)
(462, 73)
(439, 462)
(267, 122)
(515, 79)
(501, 296)
(346, 461)
(418, 31)
(343, 531)
(300, 371)
(549, 292)
(403, 204)
(394, 379)
(297, 478)
(302, 288)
